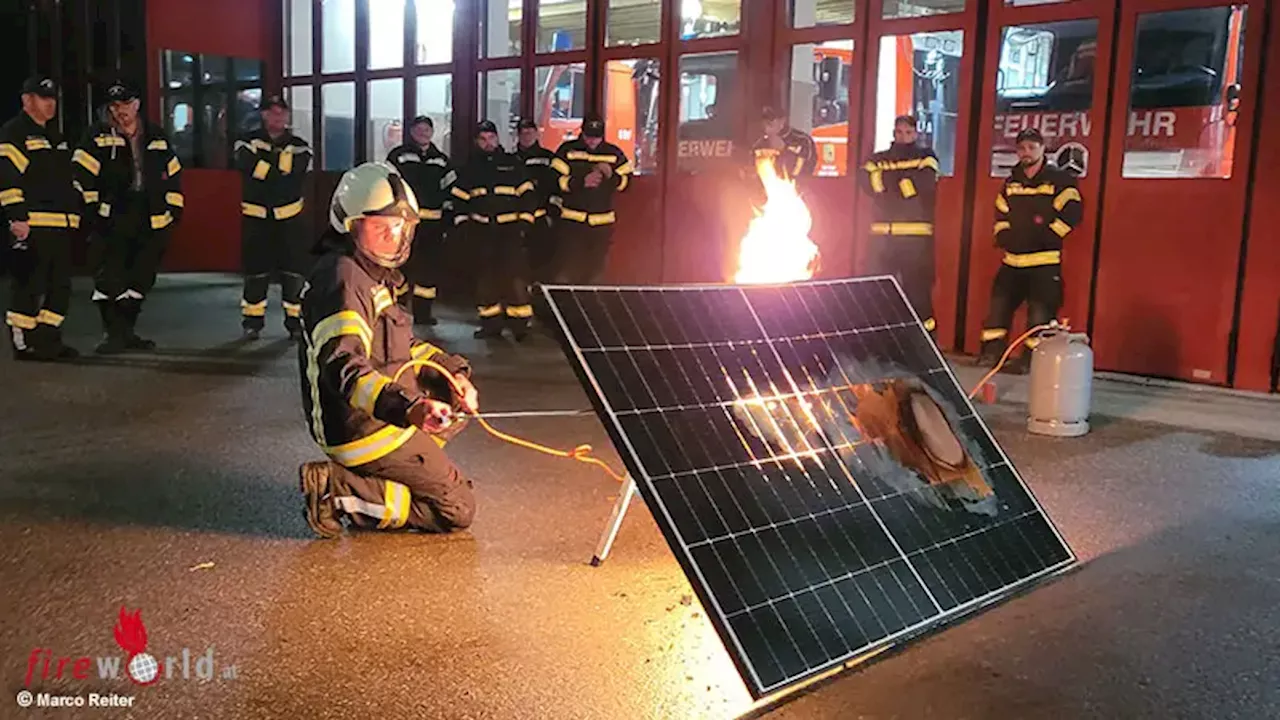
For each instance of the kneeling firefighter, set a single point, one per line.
(375, 406)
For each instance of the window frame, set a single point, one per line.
(229, 86)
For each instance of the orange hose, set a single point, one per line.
(1005, 358)
(581, 453)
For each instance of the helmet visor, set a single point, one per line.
(385, 239)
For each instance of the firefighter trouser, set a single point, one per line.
(1039, 287)
(502, 296)
(127, 258)
(909, 258)
(41, 287)
(423, 268)
(581, 252)
(414, 486)
(540, 245)
(273, 248)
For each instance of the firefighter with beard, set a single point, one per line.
(540, 241)
(591, 172)
(274, 164)
(382, 419)
(903, 184)
(42, 206)
(493, 200)
(131, 181)
(1036, 210)
(429, 172)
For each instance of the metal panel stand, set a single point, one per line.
(625, 496)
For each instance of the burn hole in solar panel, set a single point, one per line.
(813, 464)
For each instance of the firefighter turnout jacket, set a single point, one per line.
(903, 183)
(798, 156)
(573, 162)
(108, 168)
(274, 172)
(357, 340)
(36, 185)
(537, 164)
(492, 189)
(1034, 215)
(428, 172)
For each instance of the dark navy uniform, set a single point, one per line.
(903, 183)
(429, 172)
(275, 239)
(540, 240)
(386, 473)
(587, 217)
(797, 158)
(36, 187)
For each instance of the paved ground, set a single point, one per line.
(166, 483)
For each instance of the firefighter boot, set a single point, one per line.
(322, 517)
(490, 327)
(422, 308)
(58, 350)
(519, 328)
(129, 311)
(26, 344)
(113, 339)
(991, 352)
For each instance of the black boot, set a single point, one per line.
(113, 341)
(321, 515)
(422, 311)
(56, 349)
(519, 328)
(490, 327)
(992, 350)
(129, 311)
(25, 347)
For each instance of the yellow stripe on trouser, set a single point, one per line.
(520, 311)
(488, 311)
(395, 505)
(994, 334)
(371, 447)
(1035, 259)
(292, 310)
(930, 324)
(425, 292)
(49, 317)
(18, 320)
(258, 309)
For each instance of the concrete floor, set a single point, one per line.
(166, 483)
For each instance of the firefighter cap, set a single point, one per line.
(41, 85)
(593, 126)
(1031, 134)
(486, 126)
(422, 120)
(527, 124)
(121, 91)
(769, 112)
(275, 101)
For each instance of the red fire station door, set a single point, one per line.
(1177, 170)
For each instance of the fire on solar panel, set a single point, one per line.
(812, 462)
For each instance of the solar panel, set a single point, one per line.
(822, 479)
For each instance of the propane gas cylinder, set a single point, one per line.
(1061, 384)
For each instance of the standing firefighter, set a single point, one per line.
(274, 163)
(591, 171)
(43, 209)
(130, 178)
(380, 414)
(903, 183)
(493, 200)
(792, 151)
(428, 172)
(540, 242)
(1036, 209)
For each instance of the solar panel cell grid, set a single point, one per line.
(810, 460)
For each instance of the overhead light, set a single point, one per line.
(690, 9)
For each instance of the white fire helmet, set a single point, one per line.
(375, 189)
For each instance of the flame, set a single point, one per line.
(131, 634)
(777, 247)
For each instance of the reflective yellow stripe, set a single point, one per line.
(624, 169)
(488, 311)
(158, 145)
(343, 322)
(174, 199)
(367, 389)
(508, 217)
(284, 212)
(38, 144)
(1031, 342)
(903, 228)
(1065, 197)
(525, 187)
(49, 317)
(174, 167)
(426, 293)
(12, 196)
(590, 157)
(286, 162)
(371, 447)
(560, 166)
(51, 220)
(1035, 259)
(260, 170)
(931, 162)
(574, 215)
(425, 214)
(480, 218)
(994, 334)
(601, 218)
(877, 181)
(520, 311)
(159, 222)
(539, 212)
(248, 309)
(424, 351)
(395, 505)
(108, 141)
(907, 187)
(292, 310)
(104, 210)
(527, 217)
(86, 161)
(73, 220)
(460, 193)
(1001, 204)
(1059, 227)
(505, 190)
(381, 300)
(252, 210)
(18, 320)
(258, 144)
(1020, 189)
(90, 196)
(9, 150)
(930, 324)
(1002, 226)
(564, 183)
(623, 182)
(479, 192)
